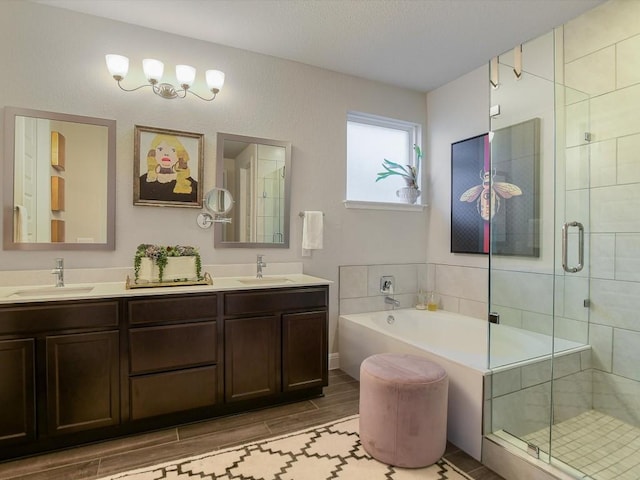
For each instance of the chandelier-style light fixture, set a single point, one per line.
(118, 66)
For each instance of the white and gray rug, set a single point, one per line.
(327, 452)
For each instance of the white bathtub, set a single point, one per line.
(458, 343)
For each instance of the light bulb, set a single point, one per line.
(215, 80)
(152, 69)
(118, 65)
(185, 75)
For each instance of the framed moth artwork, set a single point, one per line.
(168, 167)
(495, 201)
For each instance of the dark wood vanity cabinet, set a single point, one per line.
(173, 355)
(17, 391)
(59, 369)
(275, 342)
(78, 371)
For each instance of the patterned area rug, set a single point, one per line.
(331, 451)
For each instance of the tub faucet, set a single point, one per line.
(58, 271)
(391, 301)
(259, 266)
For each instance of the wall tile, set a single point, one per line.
(537, 322)
(463, 282)
(536, 373)
(615, 114)
(602, 257)
(615, 303)
(601, 341)
(593, 74)
(507, 381)
(523, 412)
(508, 316)
(586, 34)
(629, 159)
(405, 276)
(564, 365)
(449, 303)
(523, 290)
(473, 309)
(576, 291)
(615, 209)
(572, 395)
(603, 166)
(577, 167)
(570, 329)
(353, 281)
(577, 123)
(626, 354)
(628, 62)
(617, 396)
(627, 257)
(577, 208)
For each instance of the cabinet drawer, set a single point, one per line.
(30, 318)
(172, 309)
(172, 346)
(249, 303)
(171, 392)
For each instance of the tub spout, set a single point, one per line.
(391, 301)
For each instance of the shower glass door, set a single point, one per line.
(565, 384)
(522, 274)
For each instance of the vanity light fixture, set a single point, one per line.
(118, 66)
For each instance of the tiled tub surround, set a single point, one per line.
(459, 343)
(459, 289)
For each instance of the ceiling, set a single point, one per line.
(416, 44)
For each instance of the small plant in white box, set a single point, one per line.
(161, 256)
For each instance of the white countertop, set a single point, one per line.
(85, 291)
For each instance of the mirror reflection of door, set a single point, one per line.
(83, 177)
(255, 176)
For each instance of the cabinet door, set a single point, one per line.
(17, 414)
(304, 350)
(251, 358)
(82, 381)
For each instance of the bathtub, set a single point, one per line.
(459, 344)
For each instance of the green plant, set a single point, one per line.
(408, 172)
(160, 256)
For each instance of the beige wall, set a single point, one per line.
(55, 62)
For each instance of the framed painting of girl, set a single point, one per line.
(168, 167)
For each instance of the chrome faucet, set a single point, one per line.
(391, 301)
(58, 271)
(259, 266)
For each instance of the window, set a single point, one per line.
(371, 139)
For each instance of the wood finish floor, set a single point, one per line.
(105, 458)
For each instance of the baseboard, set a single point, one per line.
(334, 361)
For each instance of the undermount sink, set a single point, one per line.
(265, 280)
(50, 291)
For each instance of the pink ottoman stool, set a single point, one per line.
(403, 409)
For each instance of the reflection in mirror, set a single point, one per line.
(257, 172)
(219, 202)
(59, 181)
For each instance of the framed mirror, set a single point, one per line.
(59, 181)
(257, 173)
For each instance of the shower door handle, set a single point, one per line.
(565, 238)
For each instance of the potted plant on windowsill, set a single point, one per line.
(409, 173)
(158, 264)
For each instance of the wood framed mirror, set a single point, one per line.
(257, 172)
(59, 181)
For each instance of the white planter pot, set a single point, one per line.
(177, 268)
(408, 194)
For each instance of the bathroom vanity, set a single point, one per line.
(98, 363)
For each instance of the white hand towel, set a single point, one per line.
(312, 228)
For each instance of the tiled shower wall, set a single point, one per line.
(459, 289)
(602, 59)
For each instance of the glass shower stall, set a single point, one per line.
(564, 266)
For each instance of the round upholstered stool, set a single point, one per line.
(403, 409)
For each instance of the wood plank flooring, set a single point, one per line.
(105, 458)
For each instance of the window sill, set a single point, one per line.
(357, 204)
